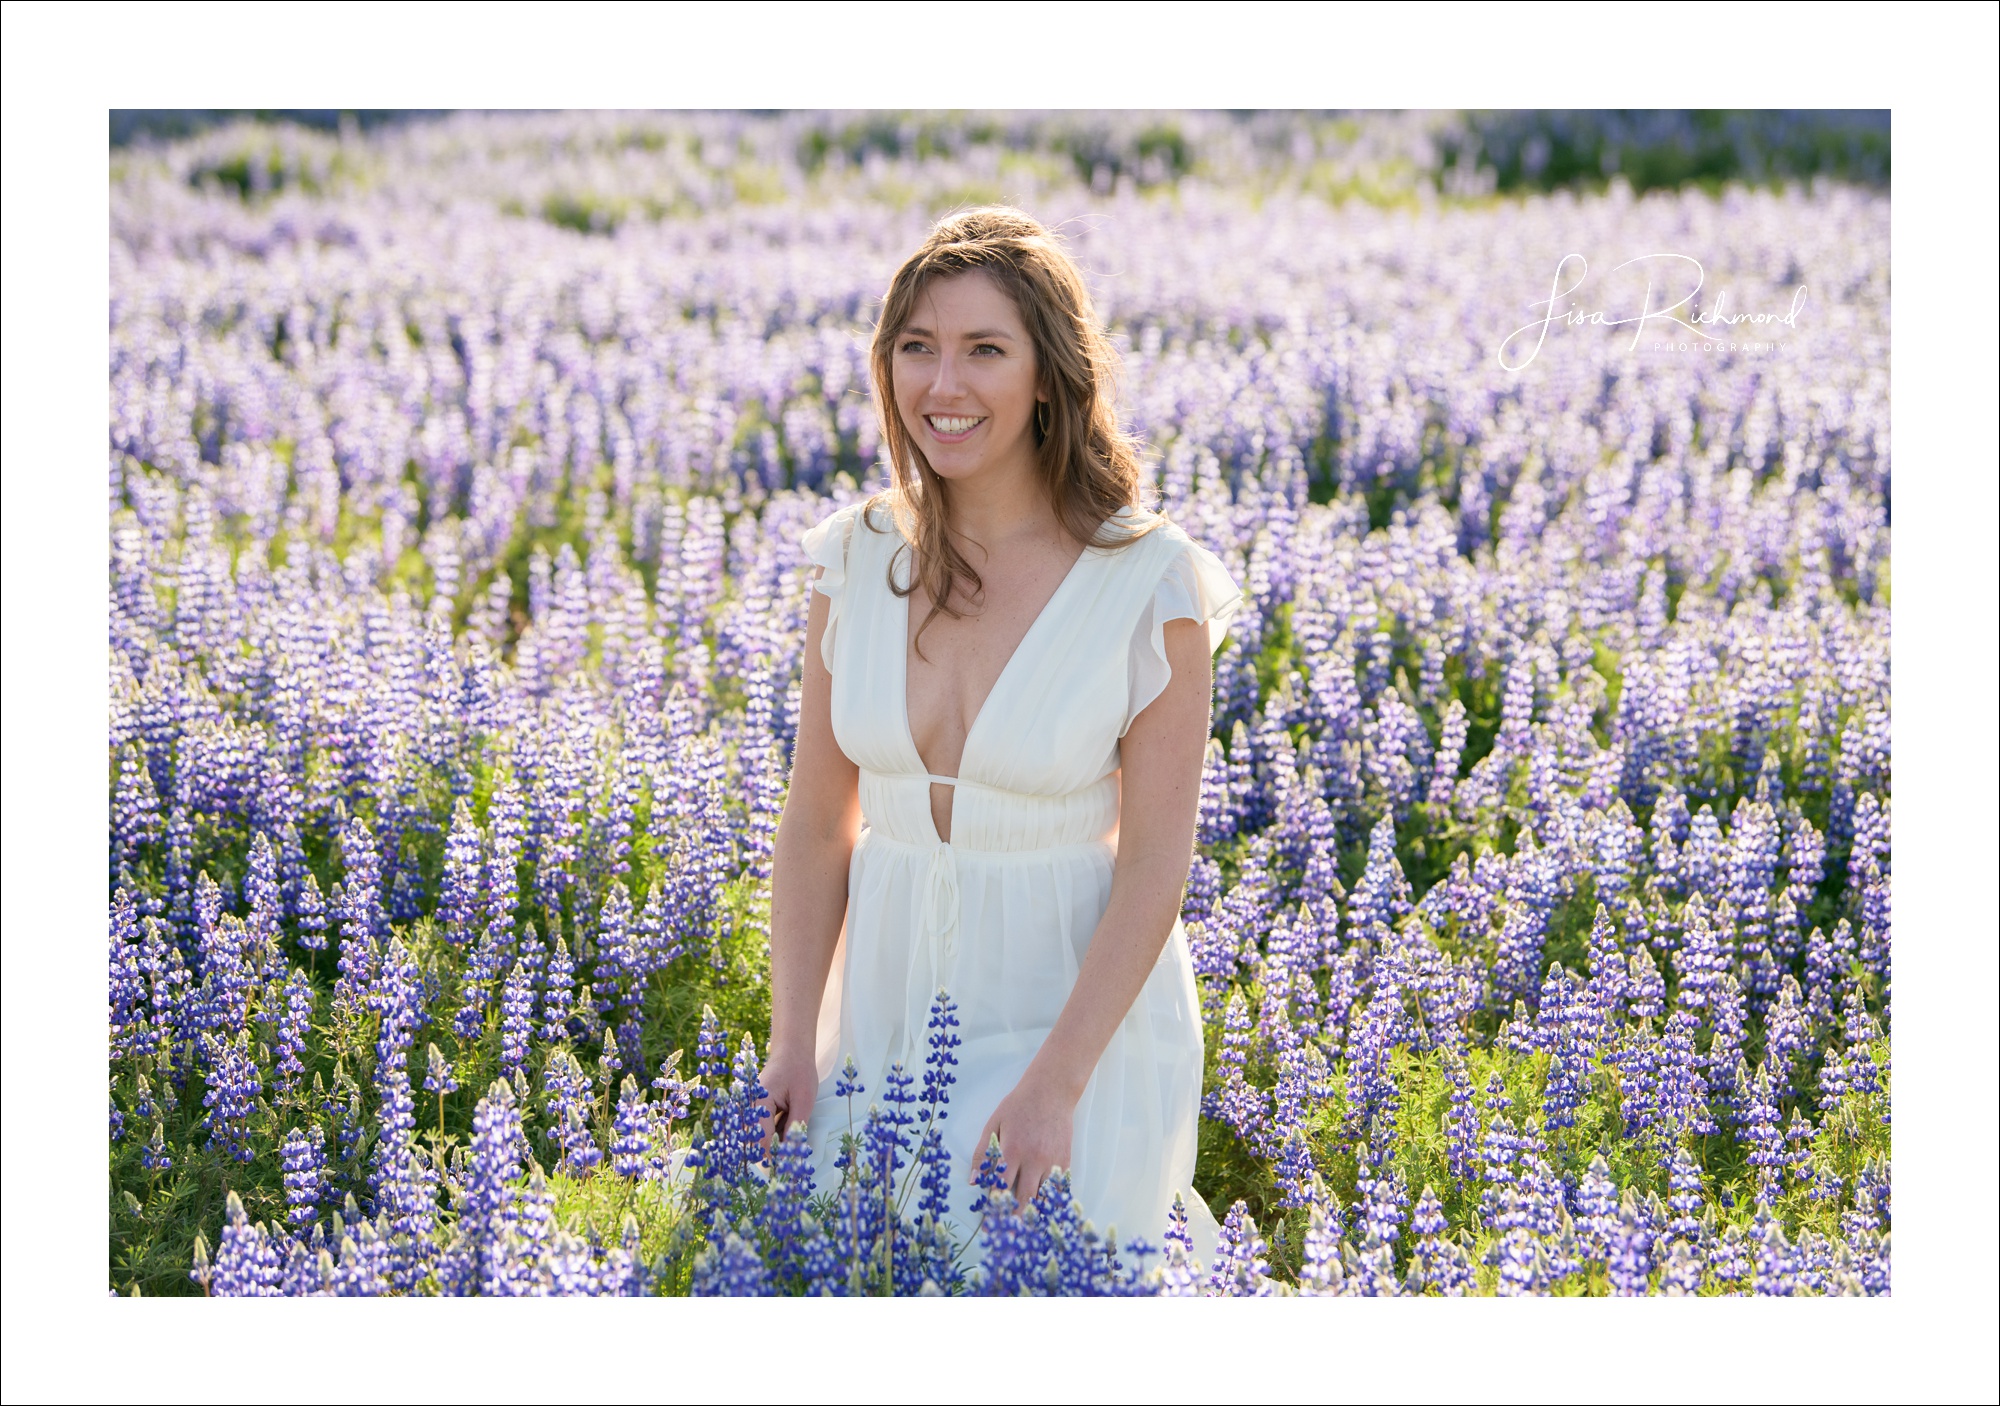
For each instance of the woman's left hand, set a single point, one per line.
(1034, 1124)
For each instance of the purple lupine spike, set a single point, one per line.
(130, 1028)
(1648, 987)
(516, 1012)
(609, 1062)
(567, 1090)
(1597, 1212)
(505, 831)
(1217, 820)
(304, 1157)
(1240, 1270)
(1764, 1137)
(939, 1061)
(650, 934)
(234, 1084)
(294, 1029)
(1629, 1256)
(482, 1257)
(558, 992)
(438, 1075)
(460, 905)
(1725, 1049)
(1700, 962)
(136, 821)
(358, 909)
(630, 1131)
(246, 1263)
(312, 914)
(710, 1051)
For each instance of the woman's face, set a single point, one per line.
(965, 377)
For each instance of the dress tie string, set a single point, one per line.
(936, 948)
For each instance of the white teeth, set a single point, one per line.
(954, 424)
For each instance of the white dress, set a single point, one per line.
(1002, 914)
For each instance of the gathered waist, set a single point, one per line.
(988, 819)
(874, 837)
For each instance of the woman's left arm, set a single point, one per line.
(1160, 763)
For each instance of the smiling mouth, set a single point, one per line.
(951, 426)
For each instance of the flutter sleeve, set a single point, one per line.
(1195, 586)
(826, 545)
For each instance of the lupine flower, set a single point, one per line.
(783, 1221)
(1649, 991)
(609, 1061)
(631, 1131)
(1322, 1273)
(438, 1076)
(1765, 1137)
(265, 899)
(674, 1092)
(516, 1010)
(234, 1084)
(1382, 1205)
(1597, 1211)
(558, 993)
(459, 906)
(1522, 1271)
(305, 1176)
(153, 1156)
(1628, 1259)
(1240, 1270)
(1776, 1267)
(311, 914)
(733, 1271)
(569, 1100)
(1682, 1276)
(294, 1029)
(482, 1256)
(1685, 1201)
(246, 1264)
(1729, 1261)
(1293, 1172)
(711, 1052)
(938, 1064)
(359, 911)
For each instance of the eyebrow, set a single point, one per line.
(987, 335)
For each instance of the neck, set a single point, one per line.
(1004, 504)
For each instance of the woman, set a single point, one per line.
(1000, 750)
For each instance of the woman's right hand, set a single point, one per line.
(791, 1084)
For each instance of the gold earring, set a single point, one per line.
(1041, 419)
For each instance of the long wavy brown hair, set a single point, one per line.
(1088, 463)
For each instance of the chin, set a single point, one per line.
(948, 465)
(954, 473)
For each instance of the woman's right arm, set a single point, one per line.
(815, 840)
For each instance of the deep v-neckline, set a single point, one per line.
(1020, 648)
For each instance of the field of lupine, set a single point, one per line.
(1541, 908)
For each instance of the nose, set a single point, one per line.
(947, 384)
